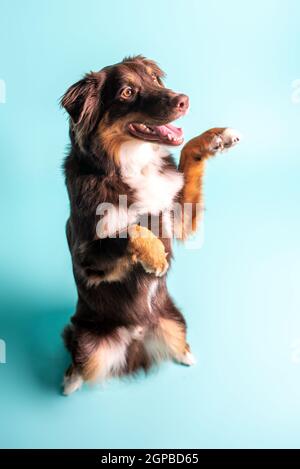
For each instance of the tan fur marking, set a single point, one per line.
(131, 78)
(112, 136)
(90, 370)
(121, 268)
(149, 70)
(174, 335)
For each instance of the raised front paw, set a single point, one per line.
(207, 145)
(147, 249)
(223, 139)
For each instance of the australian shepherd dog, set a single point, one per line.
(128, 201)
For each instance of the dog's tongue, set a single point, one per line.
(164, 130)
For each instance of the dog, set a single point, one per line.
(121, 133)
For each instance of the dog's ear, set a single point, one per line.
(82, 102)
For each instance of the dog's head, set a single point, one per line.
(125, 101)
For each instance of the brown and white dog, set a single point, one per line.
(121, 132)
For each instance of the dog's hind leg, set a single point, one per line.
(168, 339)
(95, 357)
(72, 380)
(173, 338)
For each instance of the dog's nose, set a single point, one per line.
(182, 102)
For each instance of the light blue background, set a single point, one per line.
(240, 292)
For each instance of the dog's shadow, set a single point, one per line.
(33, 341)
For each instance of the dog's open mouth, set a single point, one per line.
(166, 134)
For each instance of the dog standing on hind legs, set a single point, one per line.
(121, 132)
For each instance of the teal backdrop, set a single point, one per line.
(239, 63)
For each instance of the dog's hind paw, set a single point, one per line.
(187, 359)
(72, 381)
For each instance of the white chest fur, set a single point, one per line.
(142, 169)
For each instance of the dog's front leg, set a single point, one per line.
(145, 248)
(109, 259)
(192, 164)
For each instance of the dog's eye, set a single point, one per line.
(127, 92)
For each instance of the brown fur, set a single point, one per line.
(125, 318)
(112, 136)
(119, 271)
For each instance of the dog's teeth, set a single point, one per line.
(170, 137)
(143, 126)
